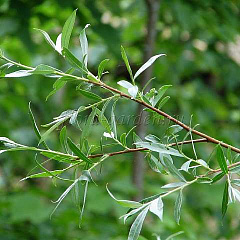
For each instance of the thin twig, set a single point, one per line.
(145, 149)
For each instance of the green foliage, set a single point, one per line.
(200, 87)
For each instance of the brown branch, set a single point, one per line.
(132, 150)
(209, 139)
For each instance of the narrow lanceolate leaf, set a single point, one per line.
(101, 67)
(59, 83)
(44, 69)
(174, 235)
(61, 157)
(103, 120)
(225, 200)
(52, 128)
(173, 170)
(155, 165)
(125, 203)
(147, 65)
(90, 95)
(177, 207)
(73, 60)
(20, 73)
(67, 30)
(156, 207)
(58, 46)
(47, 37)
(125, 59)
(221, 160)
(63, 138)
(44, 174)
(137, 225)
(113, 121)
(218, 177)
(34, 124)
(88, 125)
(160, 93)
(84, 44)
(77, 151)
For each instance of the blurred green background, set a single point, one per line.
(202, 43)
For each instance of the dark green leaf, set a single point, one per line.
(57, 86)
(225, 200)
(123, 139)
(74, 61)
(63, 138)
(173, 170)
(77, 151)
(101, 67)
(125, 59)
(67, 30)
(90, 95)
(61, 157)
(218, 177)
(221, 160)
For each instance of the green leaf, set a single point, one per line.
(218, 177)
(137, 225)
(177, 207)
(161, 92)
(113, 121)
(84, 44)
(174, 185)
(19, 73)
(101, 67)
(67, 30)
(203, 180)
(1, 53)
(173, 170)
(156, 207)
(52, 128)
(60, 83)
(225, 200)
(44, 174)
(125, 203)
(61, 157)
(152, 138)
(89, 123)
(161, 148)
(47, 37)
(89, 95)
(221, 160)
(132, 90)
(35, 127)
(125, 59)
(44, 69)
(235, 169)
(155, 165)
(103, 120)
(163, 101)
(172, 130)
(77, 151)
(147, 65)
(63, 138)
(73, 60)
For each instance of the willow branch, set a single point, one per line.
(160, 112)
(145, 149)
